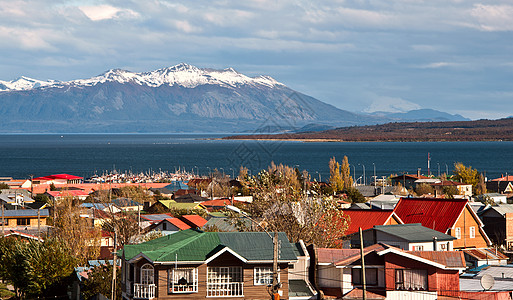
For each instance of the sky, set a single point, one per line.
(455, 56)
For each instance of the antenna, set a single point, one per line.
(487, 282)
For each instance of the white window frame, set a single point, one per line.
(174, 288)
(223, 284)
(457, 232)
(264, 275)
(472, 232)
(147, 273)
(418, 248)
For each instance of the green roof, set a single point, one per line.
(166, 203)
(176, 205)
(299, 288)
(195, 245)
(414, 232)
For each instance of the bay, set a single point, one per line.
(22, 155)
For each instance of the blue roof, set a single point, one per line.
(177, 185)
(26, 213)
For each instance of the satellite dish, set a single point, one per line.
(487, 282)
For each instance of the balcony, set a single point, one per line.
(229, 289)
(144, 291)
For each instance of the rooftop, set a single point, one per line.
(414, 232)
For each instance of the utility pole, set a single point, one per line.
(3, 220)
(275, 283)
(39, 223)
(362, 258)
(114, 266)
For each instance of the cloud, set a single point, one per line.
(441, 64)
(107, 12)
(493, 17)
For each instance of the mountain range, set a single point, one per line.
(181, 98)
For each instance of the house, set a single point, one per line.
(194, 221)
(190, 198)
(59, 195)
(168, 226)
(217, 204)
(464, 189)
(390, 273)
(15, 198)
(502, 185)
(367, 218)
(58, 179)
(192, 264)
(501, 289)
(485, 256)
(495, 198)
(412, 237)
(127, 204)
(105, 207)
(498, 221)
(407, 181)
(299, 284)
(27, 221)
(155, 218)
(450, 216)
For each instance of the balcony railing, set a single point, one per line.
(232, 289)
(144, 291)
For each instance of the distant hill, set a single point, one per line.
(480, 130)
(420, 115)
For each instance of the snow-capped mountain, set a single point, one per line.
(180, 75)
(24, 83)
(175, 99)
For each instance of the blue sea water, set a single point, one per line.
(86, 154)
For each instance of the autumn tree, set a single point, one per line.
(450, 191)
(280, 203)
(468, 175)
(345, 173)
(336, 180)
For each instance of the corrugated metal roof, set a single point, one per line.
(485, 253)
(437, 214)
(414, 232)
(194, 220)
(451, 259)
(178, 223)
(155, 217)
(365, 218)
(26, 213)
(193, 245)
(329, 255)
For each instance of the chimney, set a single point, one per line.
(434, 243)
(418, 172)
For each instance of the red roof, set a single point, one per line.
(504, 178)
(178, 223)
(220, 202)
(73, 193)
(194, 220)
(451, 259)
(437, 214)
(58, 176)
(366, 218)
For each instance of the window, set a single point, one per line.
(457, 233)
(411, 280)
(147, 274)
(183, 280)
(264, 275)
(472, 232)
(164, 226)
(224, 282)
(418, 248)
(23, 221)
(371, 276)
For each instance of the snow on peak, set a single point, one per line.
(179, 75)
(24, 83)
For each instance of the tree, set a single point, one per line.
(423, 189)
(4, 186)
(336, 180)
(280, 203)
(346, 173)
(468, 175)
(354, 195)
(99, 281)
(450, 191)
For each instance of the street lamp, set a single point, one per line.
(274, 238)
(233, 173)
(438, 164)
(223, 171)
(197, 170)
(354, 174)
(319, 176)
(363, 173)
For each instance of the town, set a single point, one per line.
(279, 234)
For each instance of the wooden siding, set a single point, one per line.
(448, 283)
(465, 221)
(394, 261)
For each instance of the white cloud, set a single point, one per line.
(493, 17)
(106, 12)
(441, 64)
